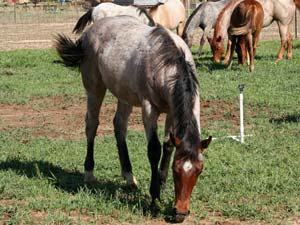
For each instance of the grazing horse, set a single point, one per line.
(110, 9)
(170, 15)
(204, 16)
(281, 11)
(245, 26)
(149, 67)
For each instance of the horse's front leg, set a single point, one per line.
(232, 47)
(94, 102)
(120, 129)
(167, 152)
(150, 116)
(228, 51)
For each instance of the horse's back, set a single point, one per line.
(120, 46)
(110, 9)
(122, 49)
(169, 14)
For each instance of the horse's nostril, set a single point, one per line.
(179, 218)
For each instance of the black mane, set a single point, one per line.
(184, 85)
(190, 19)
(147, 14)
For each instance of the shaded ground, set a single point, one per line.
(54, 117)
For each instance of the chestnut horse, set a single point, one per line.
(152, 68)
(281, 11)
(245, 26)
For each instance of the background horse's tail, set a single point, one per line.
(70, 52)
(240, 30)
(83, 21)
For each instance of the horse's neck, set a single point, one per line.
(223, 21)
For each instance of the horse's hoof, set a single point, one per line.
(278, 60)
(89, 177)
(130, 179)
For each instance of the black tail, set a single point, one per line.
(70, 52)
(83, 21)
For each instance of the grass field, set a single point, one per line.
(41, 176)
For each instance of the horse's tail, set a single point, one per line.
(83, 21)
(240, 30)
(70, 52)
(297, 3)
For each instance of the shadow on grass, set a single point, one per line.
(286, 119)
(72, 182)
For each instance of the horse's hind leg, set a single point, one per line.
(150, 116)
(203, 39)
(120, 128)
(94, 101)
(284, 34)
(250, 50)
(290, 45)
(167, 152)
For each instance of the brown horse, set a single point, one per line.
(281, 11)
(245, 26)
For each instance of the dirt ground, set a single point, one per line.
(57, 120)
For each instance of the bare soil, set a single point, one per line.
(56, 118)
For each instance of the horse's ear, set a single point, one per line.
(205, 143)
(175, 140)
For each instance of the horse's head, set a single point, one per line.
(217, 48)
(188, 38)
(185, 175)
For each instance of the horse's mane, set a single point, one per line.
(221, 14)
(184, 85)
(147, 14)
(190, 19)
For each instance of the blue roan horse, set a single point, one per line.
(148, 67)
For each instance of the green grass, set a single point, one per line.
(257, 181)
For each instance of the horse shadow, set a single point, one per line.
(286, 119)
(72, 182)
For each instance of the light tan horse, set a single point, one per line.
(170, 14)
(281, 11)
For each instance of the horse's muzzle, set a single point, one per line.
(179, 216)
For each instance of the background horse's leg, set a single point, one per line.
(231, 51)
(94, 101)
(203, 39)
(249, 44)
(290, 44)
(150, 116)
(180, 28)
(120, 128)
(228, 53)
(167, 152)
(284, 34)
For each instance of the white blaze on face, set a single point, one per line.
(187, 166)
(200, 157)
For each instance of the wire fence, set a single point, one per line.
(33, 26)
